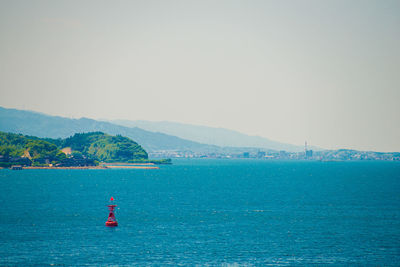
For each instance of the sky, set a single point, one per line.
(323, 71)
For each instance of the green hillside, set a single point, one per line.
(20, 149)
(105, 147)
(86, 150)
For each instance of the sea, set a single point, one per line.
(204, 212)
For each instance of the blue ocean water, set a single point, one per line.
(204, 212)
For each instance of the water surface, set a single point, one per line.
(206, 212)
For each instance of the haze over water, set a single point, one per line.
(214, 212)
(322, 71)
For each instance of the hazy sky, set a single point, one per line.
(323, 71)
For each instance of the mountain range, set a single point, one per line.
(210, 135)
(152, 136)
(42, 125)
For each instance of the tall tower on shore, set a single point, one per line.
(307, 153)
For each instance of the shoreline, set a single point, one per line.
(126, 164)
(90, 168)
(63, 168)
(132, 167)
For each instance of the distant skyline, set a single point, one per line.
(323, 71)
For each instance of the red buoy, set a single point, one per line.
(111, 221)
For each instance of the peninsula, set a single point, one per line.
(82, 150)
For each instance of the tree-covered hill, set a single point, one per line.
(105, 147)
(86, 148)
(27, 150)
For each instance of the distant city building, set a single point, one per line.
(260, 154)
(246, 155)
(307, 153)
(283, 154)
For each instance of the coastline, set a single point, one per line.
(132, 167)
(64, 168)
(91, 167)
(126, 164)
(122, 165)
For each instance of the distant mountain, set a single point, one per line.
(152, 136)
(41, 125)
(209, 135)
